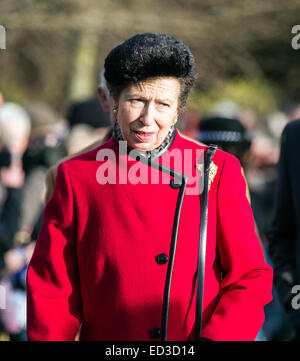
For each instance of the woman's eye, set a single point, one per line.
(136, 101)
(164, 105)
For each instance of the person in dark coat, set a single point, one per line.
(231, 136)
(14, 129)
(9, 221)
(284, 233)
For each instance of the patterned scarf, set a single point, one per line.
(153, 154)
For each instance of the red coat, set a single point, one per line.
(95, 261)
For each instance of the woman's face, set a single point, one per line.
(146, 111)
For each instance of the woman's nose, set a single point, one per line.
(148, 115)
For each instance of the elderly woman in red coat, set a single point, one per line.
(117, 253)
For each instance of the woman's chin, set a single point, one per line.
(143, 146)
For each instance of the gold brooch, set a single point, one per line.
(213, 169)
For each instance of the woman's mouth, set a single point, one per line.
(143, 136)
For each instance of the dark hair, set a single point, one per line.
(148, 55)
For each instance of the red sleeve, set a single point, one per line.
(53, 295)
(247, 280)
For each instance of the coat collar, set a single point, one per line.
(153, 154)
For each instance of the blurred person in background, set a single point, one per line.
(254, 151)
(14, 136)
(46, 145)
(15, 128)
(54, 140)
(228, 133)
(80, 137)
(90, 112)
(89, 126)
(82, 123)
(248, 118)
(295, 114)
(261, 174)
(284, 232)
(189, 123)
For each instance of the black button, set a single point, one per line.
(155, 333)
(175, 185)
(161, 258)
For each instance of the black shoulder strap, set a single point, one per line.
(202, 241)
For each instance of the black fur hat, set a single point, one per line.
(224, 132)
(146, 56)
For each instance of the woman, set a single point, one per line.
(118, 249)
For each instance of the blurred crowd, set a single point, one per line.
(34, 137)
